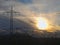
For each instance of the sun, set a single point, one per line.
(42, 23)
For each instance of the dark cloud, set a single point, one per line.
(18, 25)
(26, 7)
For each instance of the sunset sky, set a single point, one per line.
(31, 9)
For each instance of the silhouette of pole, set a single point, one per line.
(11, 20)
(11, 12)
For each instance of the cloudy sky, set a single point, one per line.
(30, 9)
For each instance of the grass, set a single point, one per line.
(25, 39)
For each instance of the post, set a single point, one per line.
(11, 21)
(11, 12)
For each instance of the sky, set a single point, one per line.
(30, 9)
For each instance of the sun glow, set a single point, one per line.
(42, 23)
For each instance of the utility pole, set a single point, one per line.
(11, 21)
(11, 12)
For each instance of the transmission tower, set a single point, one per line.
(11, 12)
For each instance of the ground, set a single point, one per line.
(25, 39)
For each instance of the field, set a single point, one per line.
(25, 39)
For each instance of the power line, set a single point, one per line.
(11, 12)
